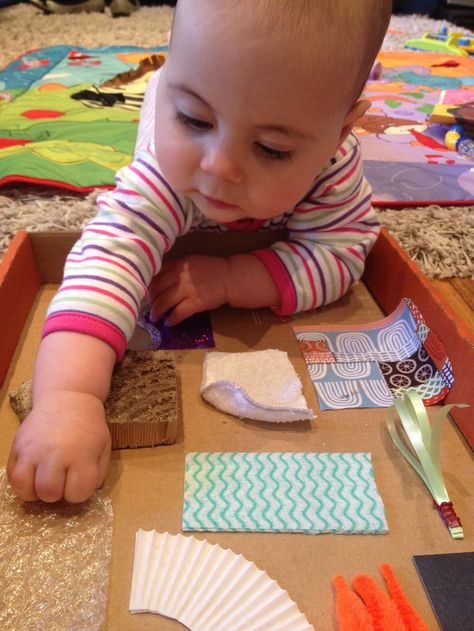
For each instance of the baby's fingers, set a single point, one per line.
(50, 479)
(21, 475)
(83, 479)
(185, 309)
(166, 279)
(165, 302)
(81, 482)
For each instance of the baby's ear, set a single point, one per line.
(357, 110)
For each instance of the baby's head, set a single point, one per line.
(257, 95)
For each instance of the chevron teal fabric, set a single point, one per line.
(282, 492)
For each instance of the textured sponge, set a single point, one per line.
(142, 406)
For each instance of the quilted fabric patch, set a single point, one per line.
(282, 492)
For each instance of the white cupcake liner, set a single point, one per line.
(207, 588)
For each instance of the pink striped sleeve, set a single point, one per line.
(330, 234)
(282, 280)
(89, 325)
(109, 269)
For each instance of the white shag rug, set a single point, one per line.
(439, 239)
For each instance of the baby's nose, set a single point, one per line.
(222, 164)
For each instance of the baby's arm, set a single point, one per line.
(198, 283)
(62, 449)
(331, 232)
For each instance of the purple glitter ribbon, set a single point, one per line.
(194, 332)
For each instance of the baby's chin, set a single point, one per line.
(221, 215)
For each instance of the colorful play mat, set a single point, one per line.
(405, 158)
(68, 118)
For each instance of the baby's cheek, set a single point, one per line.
(173, 161)
(279, 196)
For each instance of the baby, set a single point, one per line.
(249, 126)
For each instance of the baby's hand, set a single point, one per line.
(189, 285)
(61, 450)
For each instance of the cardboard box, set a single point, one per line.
(146, 485)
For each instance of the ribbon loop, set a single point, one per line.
(424, 439)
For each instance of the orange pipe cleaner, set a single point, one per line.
(350, 611)
(383, 611)
(411, 618)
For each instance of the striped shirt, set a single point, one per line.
(108, 271)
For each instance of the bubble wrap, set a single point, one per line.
(54, 563)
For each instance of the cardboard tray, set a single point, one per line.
(146, 485)
(37, 258)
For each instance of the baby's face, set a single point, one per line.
(241, 130)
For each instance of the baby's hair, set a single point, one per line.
(352, 31)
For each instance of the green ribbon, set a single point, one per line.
(425, 439)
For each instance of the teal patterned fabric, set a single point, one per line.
(282, 492)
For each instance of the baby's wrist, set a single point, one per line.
(53, 393)
(54, 400)
(231, 282)
(250, 284)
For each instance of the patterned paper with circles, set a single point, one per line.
(371, 365)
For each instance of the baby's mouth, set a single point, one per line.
(218, 203)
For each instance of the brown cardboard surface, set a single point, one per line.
(146, 485)
(18, 263)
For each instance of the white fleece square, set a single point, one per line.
(260, 385)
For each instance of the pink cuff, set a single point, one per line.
(282, 280)
(89, 325)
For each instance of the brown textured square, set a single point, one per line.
(142, 406)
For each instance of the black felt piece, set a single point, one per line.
(449, 582)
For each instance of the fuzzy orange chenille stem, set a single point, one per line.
(383, 611)
(411, 618)
(351, 613)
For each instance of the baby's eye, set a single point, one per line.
(273, 154)
(192, 123)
